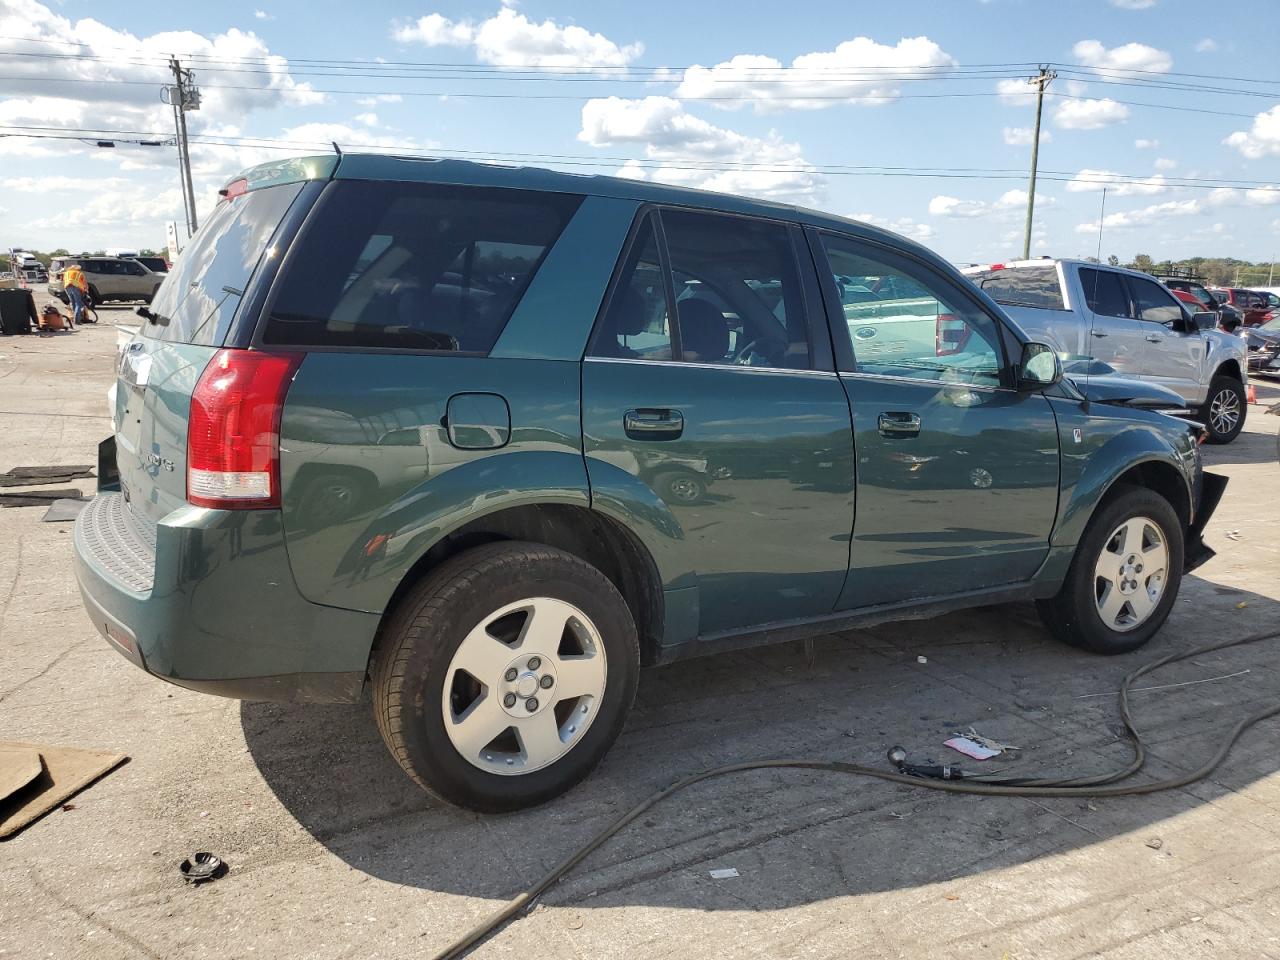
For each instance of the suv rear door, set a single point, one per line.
(957, 470)
(705, 380)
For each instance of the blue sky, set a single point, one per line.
(723, 95)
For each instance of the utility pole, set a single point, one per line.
(184, 96)
(1042, 80)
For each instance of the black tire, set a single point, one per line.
(428, 626)
(1072, 616)
(93, 294)
(1229, 392)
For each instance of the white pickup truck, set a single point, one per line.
(1130, 322)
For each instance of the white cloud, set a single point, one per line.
(262, 15)
(59, 184)
(1092, 181)
(677, 141)
(1165, 163)
(378, 98)
(1262, 139)
(855, 71)
(1089, 114)
(1142, 144)
(1129, 56)
(1016, 199)
(1016, 92)
(1207, 45)
(905, 226)
(369, 119)
(1133, 4)
(509, 38)
(1023, 136)
(1144, 217)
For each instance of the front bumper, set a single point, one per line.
(1196, 551)
(210, 604)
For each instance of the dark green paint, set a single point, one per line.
(967, 503)
(760, 482)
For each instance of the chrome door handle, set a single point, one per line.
(653, 424)
(897, 424)
(1097, 333)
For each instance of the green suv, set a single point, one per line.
(484, 440)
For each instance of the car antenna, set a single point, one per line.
(336, 149)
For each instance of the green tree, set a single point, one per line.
(1113, 260)
(1142, 262)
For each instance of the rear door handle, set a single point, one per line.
(653, 424)
(896, 424)
(1098, 333)
(1152, 338)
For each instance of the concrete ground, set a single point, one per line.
(334, 853)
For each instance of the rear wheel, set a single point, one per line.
(1224, 411)
(1124, 578)
(504, 677)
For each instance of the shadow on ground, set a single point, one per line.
(801, 836)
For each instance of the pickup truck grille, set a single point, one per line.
(121, 545)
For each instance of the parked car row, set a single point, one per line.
(111, 278)
(1131, 322)
(482, 440)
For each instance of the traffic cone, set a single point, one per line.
(1253, 394)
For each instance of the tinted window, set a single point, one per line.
(1024, 286)
(737, 291)
(201, 294)
(154, 264)
(1104, 292)
(905, 322)
(635, 327)
(1153, 303)
(414, 266)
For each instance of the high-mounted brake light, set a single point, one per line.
(234, 189)
(233, 432)
(952, 335)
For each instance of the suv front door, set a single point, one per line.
(1173, 358)
(704, 382)
(1112, 335)
(957, 480)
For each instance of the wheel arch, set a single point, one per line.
(1230, 368)
(605, 543)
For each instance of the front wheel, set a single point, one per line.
(1124, 578)
(1224, 411)
(503, 678)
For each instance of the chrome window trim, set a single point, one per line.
(787, 371)
(942, 384)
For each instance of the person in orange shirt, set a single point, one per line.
(77, 287)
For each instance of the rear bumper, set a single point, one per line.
(211, 605)
(1197, 552)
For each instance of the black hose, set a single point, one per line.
(1097, 786)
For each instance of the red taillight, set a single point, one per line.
(236, 188)
(233, 433)
(996, 266)
(952, 335)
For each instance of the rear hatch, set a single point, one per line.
(189, 319)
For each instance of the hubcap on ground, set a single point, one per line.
(524, 685)
(1129, 577)
(1224, 411)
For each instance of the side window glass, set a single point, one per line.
(414, 266)
(1153, 304)
(737, 290)
(1104, 292)
(905, 323)
(636, 326)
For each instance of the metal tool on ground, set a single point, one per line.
(932, 777)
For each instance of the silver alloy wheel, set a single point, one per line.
(685, 489)
(1130, 575)
(1224, 411)
(515, 704)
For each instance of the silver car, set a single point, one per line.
(110, 278)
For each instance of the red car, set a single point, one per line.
(1251, 304)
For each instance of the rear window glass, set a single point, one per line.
(1104, 292)
(1023, 287)
(200, 295)
(414, 266)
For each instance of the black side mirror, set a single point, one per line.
(1039, 367)
(1205, 320)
